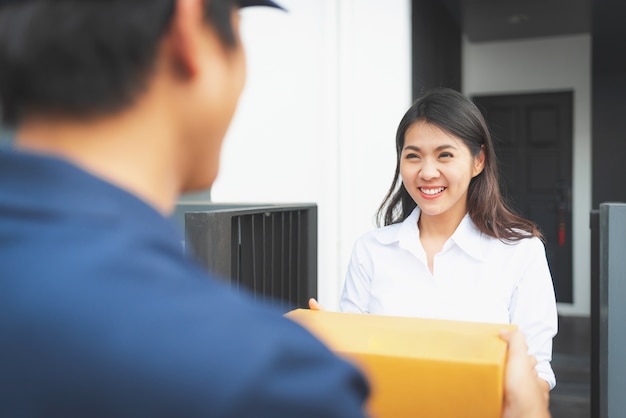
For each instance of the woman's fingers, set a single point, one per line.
(314, 305)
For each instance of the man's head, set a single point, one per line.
(87, 59)
(82, 57)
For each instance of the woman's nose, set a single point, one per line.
(429, 170)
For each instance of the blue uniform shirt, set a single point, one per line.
(102, 315)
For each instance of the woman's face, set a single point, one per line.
(436, 169)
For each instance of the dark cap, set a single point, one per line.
(245, 3)
(242, 3)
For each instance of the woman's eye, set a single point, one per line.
(411, 156)
(445, 155)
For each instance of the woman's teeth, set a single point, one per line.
(432, 191)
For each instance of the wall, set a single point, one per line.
(436, 47)
(546, 64)
(609, 101)
(327, 84)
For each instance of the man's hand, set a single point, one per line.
(524, 393)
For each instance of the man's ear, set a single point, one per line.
(479, 162)
(186, 32)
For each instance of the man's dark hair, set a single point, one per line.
(85, 57)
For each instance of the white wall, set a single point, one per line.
(556, 63)
(327, 85)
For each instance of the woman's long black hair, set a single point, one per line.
(457, 115)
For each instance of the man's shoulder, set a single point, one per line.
(149, 319)
(195, 345)
(108, 313)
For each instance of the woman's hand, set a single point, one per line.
(314, 305)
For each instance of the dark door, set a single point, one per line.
(533, 143)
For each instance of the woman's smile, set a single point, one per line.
(431, 192)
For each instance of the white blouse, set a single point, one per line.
(475, 278)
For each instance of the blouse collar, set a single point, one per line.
(466, 236)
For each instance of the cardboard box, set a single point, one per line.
(418, 367)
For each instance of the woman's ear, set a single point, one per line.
(479, 162)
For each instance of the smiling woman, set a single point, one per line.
(449, 248)
(436, 170)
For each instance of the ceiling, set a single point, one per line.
(496, 20)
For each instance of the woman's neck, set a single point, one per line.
(440, 227)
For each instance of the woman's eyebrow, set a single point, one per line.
(439, 148)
